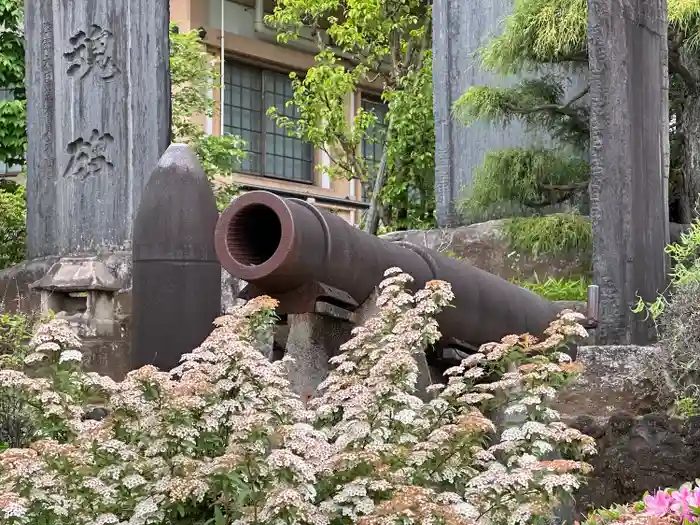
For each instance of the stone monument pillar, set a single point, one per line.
(98, 120)
(626, 45)
(98, 95)
(460, 29)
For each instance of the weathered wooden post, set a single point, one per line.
(626, 43)
(176, 275)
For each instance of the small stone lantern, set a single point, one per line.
(81, 290)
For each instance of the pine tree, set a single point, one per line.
(542, 36)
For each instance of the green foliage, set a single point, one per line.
(685, 270)
(370, 31)
(561, 289)
(684, 17)
(409, 193)
(13, 116)
(193, 75)
(686, 407)
(679, 336)
(316, 113)
(13, 225)
(533, 177)
(16, 426)
(538, 102)
(15, 332)
(677, 319)
(559, 233)
(13, 131)
(372, 40)
(540, 32)
(220, 157)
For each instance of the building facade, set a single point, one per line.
(255, 77)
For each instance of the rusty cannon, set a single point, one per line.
(300, 255)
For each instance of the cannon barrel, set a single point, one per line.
(298, 254)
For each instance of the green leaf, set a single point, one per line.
(219, 518)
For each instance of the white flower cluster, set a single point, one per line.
(222, 438)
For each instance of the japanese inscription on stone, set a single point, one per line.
(89, 157)
(92, 50)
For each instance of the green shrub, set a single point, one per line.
(16, 427)
(676, 315)
(558, 233)
(679, 335)
(562, 289)
(15, 332)
(13, 225)
(685, 269)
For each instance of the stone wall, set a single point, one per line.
(622, 401)
(638, 454)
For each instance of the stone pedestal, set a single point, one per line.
(313, 339)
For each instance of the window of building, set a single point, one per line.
(8, 170)
(248, 93)
(372, 149)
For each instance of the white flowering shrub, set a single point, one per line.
(223, 440)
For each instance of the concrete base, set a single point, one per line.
(313, 339)
(614, 379)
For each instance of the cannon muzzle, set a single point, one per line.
(298, 254)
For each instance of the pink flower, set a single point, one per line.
(682, 500)
(658, 504)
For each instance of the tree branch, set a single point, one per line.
(564, 109)
(578, 97)
(549, 202)
(676, 66)
(574, 186)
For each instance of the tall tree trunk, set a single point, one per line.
(690, 125)
(372, 223)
